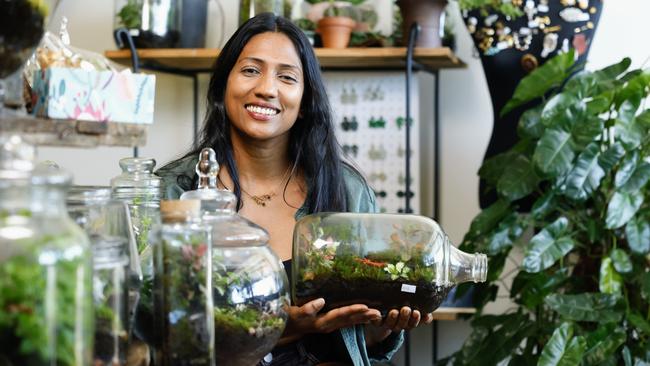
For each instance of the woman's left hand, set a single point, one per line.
(395, 321)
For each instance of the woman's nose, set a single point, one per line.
(266, 87)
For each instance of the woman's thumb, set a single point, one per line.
(315, 306)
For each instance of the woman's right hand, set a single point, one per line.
(305, 319)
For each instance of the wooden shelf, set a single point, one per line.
(202, 59)
(451, 313)
(48, 132)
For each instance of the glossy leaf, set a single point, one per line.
(587, 131)
(508, 231)
(543, 206)
(611, 157)
(493, 167)
(613, 71)
(639, 178)
(549, 245)
(621, 261)
(554, 154)
(562, 348)
(551, 74)
(603, 343)
(637, 232)
(530, 123)
(489, 218)
(585, 177)
(644, 119)
(626, 170)
(590, 307)
(530, 289)
(518, 180)
(621, 208)
(610, 281)
(562, 111)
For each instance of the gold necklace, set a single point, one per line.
(262, 199)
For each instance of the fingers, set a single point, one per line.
(345, 317)
(428, 318)
(405, 318)
(313, 307)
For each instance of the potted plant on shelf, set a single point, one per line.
(582, 291)
(336, 25)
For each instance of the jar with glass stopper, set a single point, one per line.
(385, 261)
(46, 308)
(249, 282)
(116, 268)
(140, 188)
(182, 296)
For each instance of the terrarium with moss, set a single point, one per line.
(385, 261)
(46, 311)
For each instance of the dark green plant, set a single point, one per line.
(131, 14)
(582, 291)
(305, 24)
(507, 8)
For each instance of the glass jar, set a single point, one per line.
(45, 267)
(151, 23)
(385, 261)
(251, 8)
(140, 189)
(116, 268)
(183, 310)
(249, 282)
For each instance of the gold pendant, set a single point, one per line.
(261, 200)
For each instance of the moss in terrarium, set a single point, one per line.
(40, 305)
(142, 221)
(248, 319)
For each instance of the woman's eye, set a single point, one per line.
(249, 71)
(289, 78)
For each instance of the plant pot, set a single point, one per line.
(335, 31)
(428, 14)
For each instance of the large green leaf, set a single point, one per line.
(562, 348)
(639, 178)
(639, 322)
(509, 230)
(589, 307)
(587, 131)
(611, 157)
(518, 180)
(554, 155)
(493, 167)
(644, 119)
(603, 343)
(627, 168)
(562, 111)
(621, 261)
(549, 245)
(637, 232)
(585, 176)
(538, 82)
(489, 218)
(530, 123)
(530, 289)
(613, 71)
(544, 205)
(621, 208)
(636, 86)
(610, 281)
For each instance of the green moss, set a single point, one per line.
(245, 319)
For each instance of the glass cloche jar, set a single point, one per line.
(46, 310)
(385, 261)
(249, 282)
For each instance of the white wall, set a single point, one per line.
(465, 114)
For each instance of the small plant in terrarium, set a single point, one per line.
(130, 14)
(111, 333)
(383, 261)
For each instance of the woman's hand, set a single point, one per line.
(395, 321)
(305, 319)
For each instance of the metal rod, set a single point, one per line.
(413, 35)
(195, 121)
(123, 37)
(436, 147)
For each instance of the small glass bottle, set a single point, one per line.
(45, 266)
(183, 310)
(140, 189)
(385, 261)
(116, 268)
(249, 282)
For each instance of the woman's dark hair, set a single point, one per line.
(312, 144)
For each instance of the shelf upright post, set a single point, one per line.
(122, 37)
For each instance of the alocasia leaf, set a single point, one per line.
(549, 245)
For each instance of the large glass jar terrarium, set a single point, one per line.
(46, 309)
(116, 268)
(151, 23)
(182, 296)
(385, 261)
(249, 282)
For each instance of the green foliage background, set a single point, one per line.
(582, 291)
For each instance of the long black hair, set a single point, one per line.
(313, 148)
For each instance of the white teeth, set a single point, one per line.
(262, 110)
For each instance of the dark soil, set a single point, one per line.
(381, 295)
(106, 347)
(237, 346)
(147, 39)
(21, 28)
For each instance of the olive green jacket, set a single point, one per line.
(177, 178)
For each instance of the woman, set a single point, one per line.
(270, 123)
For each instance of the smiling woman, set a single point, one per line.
(270, 124)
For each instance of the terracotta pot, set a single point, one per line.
(427, 13)
(335, 31)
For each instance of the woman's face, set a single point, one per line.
(265, 87)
